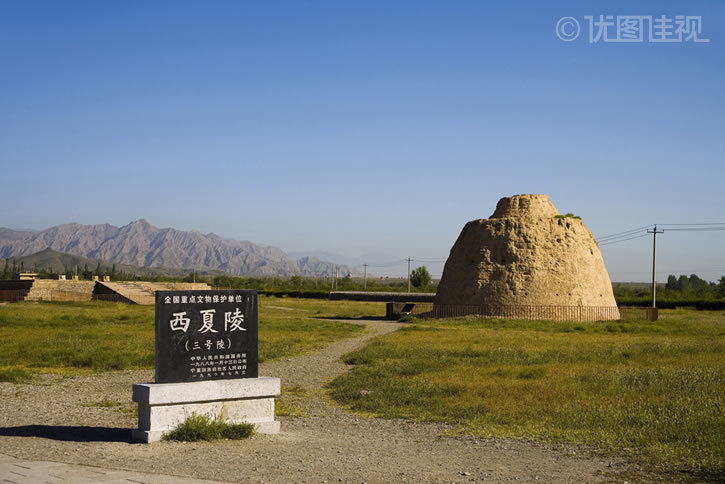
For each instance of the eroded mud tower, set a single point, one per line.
(527, 261)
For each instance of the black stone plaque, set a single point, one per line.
(206, 335)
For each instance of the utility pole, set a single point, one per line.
(365, 277)
(408, 274)
(654, 233)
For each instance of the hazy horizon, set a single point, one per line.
(386, 265)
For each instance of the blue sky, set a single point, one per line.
(362, 127)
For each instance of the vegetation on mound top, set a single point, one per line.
(202, 427)
(568, 215)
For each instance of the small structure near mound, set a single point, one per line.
(141, 292)
(131, 292)
(526, 261)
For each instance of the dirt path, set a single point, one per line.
(56, 423)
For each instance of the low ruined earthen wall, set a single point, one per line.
(544, 313)
(54, 290)
(141, 292)
(401, 297)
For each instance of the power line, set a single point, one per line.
(401, 261)
(706, 223)
(610, 239)
(389, 264)
(680, 271)
(701, 229)
(626, 232)
(622, 240)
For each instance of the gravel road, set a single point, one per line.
(57, 421)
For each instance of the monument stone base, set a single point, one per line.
(163, 406)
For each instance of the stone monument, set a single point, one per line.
(526, 255)
(206, 363)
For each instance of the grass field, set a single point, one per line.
(73, 338)
(652, 391)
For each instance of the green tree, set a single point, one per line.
(672, 282)
(721, 285)
(684, 283)
(420, 277)
(697, 283)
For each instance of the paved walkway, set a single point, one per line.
(18, 471)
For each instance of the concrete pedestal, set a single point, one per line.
(162, 406)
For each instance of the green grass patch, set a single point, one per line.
(78, 338)
(202, 427)
(15, 375)
(73, 338)
(290, 327)
(655, 387)
(286, 405)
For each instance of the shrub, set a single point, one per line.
(202, 427)
(420, 277)
(568, 215)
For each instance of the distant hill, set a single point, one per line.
(143, 245)
(55, 261)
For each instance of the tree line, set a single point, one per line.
(12, 270)
(680, 290)
(420, 279)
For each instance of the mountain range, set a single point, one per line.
(141, 244)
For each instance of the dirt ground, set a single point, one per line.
(56, 421)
